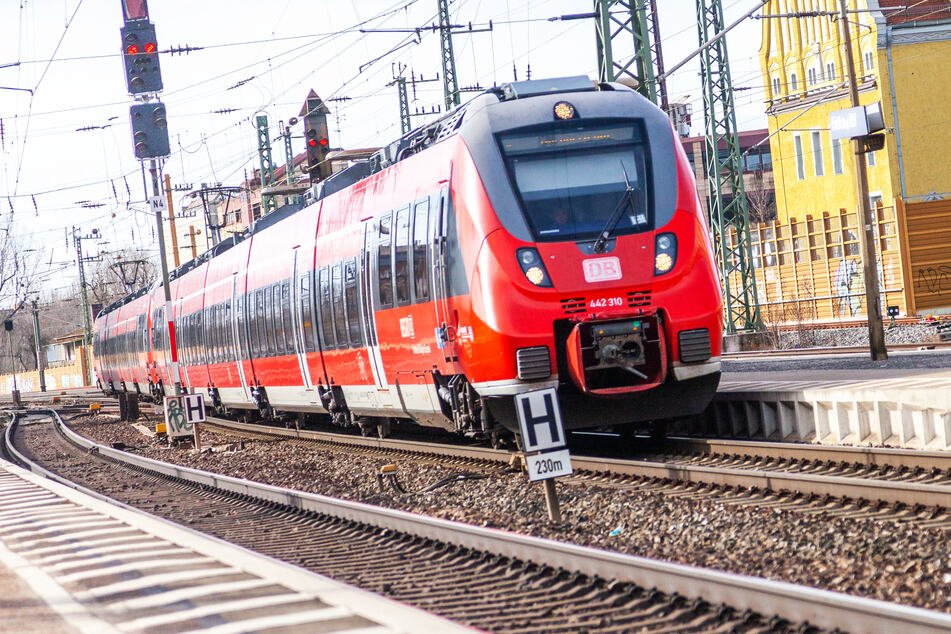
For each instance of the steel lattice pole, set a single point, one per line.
(729, 218)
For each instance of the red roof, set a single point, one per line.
(915, 10)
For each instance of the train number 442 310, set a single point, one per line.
(606, 302)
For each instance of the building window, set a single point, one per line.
(869, 62)
(870, 159)
(817, 153)
(793, 82)
(776, 87)
(800, 166)
(836, 156)
(813, 77)
(830, 71)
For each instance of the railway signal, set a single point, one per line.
(149, 130)
(314, 114)
(140, 55)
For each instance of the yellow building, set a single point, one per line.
(902, 55)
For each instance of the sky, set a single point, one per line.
(262, 57)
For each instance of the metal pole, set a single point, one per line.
(876, 331)
(13, 362)
(39, 348)
(551, 501)
(87, 325)
(171, 219)
(169, 318)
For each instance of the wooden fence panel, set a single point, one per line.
(810, 270)
(927, 228)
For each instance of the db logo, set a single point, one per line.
(602, 269)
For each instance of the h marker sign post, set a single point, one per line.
(543, 440)
(182, 415)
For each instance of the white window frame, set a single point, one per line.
(800, 159)
(818, 161)
(837, 165)
(777, 87)
(869, 60)
(793, 82)
(830, 71)
(870, 159)
(812, 77)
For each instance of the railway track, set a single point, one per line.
(490, 579)
(909, 484)
(806, 352)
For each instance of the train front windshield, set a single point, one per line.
(572, 177)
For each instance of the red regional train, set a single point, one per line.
(548, 234)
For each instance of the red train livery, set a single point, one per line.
(546, 234)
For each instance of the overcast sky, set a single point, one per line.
(278, 50)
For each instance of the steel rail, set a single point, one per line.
(888, 491)
(866, 456)
(796, 603)
(808, 352)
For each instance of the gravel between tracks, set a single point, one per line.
(875, 558)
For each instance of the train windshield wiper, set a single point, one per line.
(627, 196)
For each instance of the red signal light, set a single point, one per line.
(323, 142)
(132, 49)
(311, 142)
(150, 47)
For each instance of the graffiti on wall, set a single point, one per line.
(847, 286)
(933, 279)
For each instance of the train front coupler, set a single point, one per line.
(617, 356)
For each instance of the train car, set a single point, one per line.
(548, 234)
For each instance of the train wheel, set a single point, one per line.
(383, 428)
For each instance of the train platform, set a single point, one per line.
(70, 562)
(835, 398)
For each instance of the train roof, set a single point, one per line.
(410, 143)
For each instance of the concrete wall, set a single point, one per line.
(56, 379)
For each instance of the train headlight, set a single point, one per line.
(532, 266)
(665, 253)
(564, 110)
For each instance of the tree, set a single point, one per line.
(116, 275)
(19, 276)
(760, 200)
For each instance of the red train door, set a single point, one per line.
(368, 275)
(295, 300)
(240, 333)
(445, 317)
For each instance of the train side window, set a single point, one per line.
(276, 329)
(198, 325)
(218, 310)
(306, 312)
(239, 314)
(188, 338)
(385, 264)
(259, 318)
(226, 340)
(211, 344)
(420, 250)
(209, 335)
(219, 340)
(340, 317)
(326, 310)
(352, 301)
(287, 310)
(402, 256)
(252, 325)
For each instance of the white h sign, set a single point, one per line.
(181, 414)
(539, 420)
